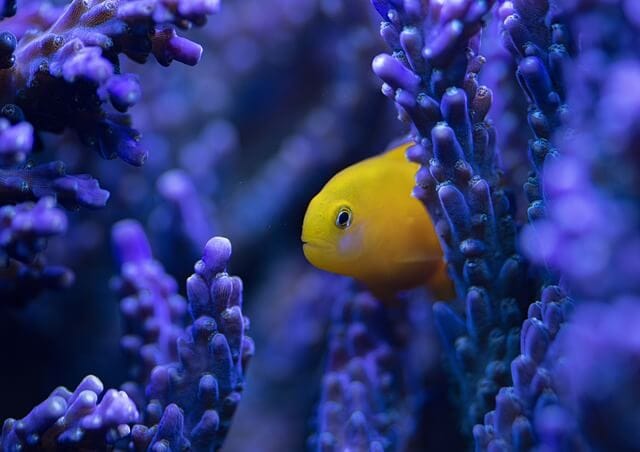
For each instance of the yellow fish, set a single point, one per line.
(365, 224)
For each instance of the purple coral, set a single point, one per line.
(76, 58)
(24, 231)
(433, 78)
(595, 177)
(359, 408)
(595, 366)
(192, 378)
(188, 381)
(151, 307)
(208, 378)
(74, 420)
(60, 68)
(511, 426)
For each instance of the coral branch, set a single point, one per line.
(511, 426)
(24, 231)
(72, 420)
(361, 404)
(207, 380)
(540, 43)
(151, 307)
(433, 78)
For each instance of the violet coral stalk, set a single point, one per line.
(595, 369)
(511, 426)
(24, 231)
(433, 78)
(540, 44)
(191, 401)
(359, 407)
(75, 420)
(152, 309)
(439, 95)
(592, 187)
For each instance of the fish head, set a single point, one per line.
(332, 234)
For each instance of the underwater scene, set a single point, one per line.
(320, 225)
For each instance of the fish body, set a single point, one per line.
(365, 224)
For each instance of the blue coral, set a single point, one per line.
(593, 368)
(151, 307)
(79, 419)
(511, 426)
(439, 95)
(60, 70)
(186, 384)
(359, 408)
(212, 358)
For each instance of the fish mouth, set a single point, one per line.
(315, 244)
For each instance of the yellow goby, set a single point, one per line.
(365, 224)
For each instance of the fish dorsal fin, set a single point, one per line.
(398, 152)
(397, 142)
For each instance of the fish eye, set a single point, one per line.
(344, 217)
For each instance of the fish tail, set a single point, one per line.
(440, 285)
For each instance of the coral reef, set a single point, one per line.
(188, 382)
(594, 368)
(540, 44)
(359, 405)
(59, 70)
(436, 91)
(73, 420)
(523, 116)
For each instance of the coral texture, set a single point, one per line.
(187, 382)
(434, 83)
(361, 387)
(78, 420)
(60, 69)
